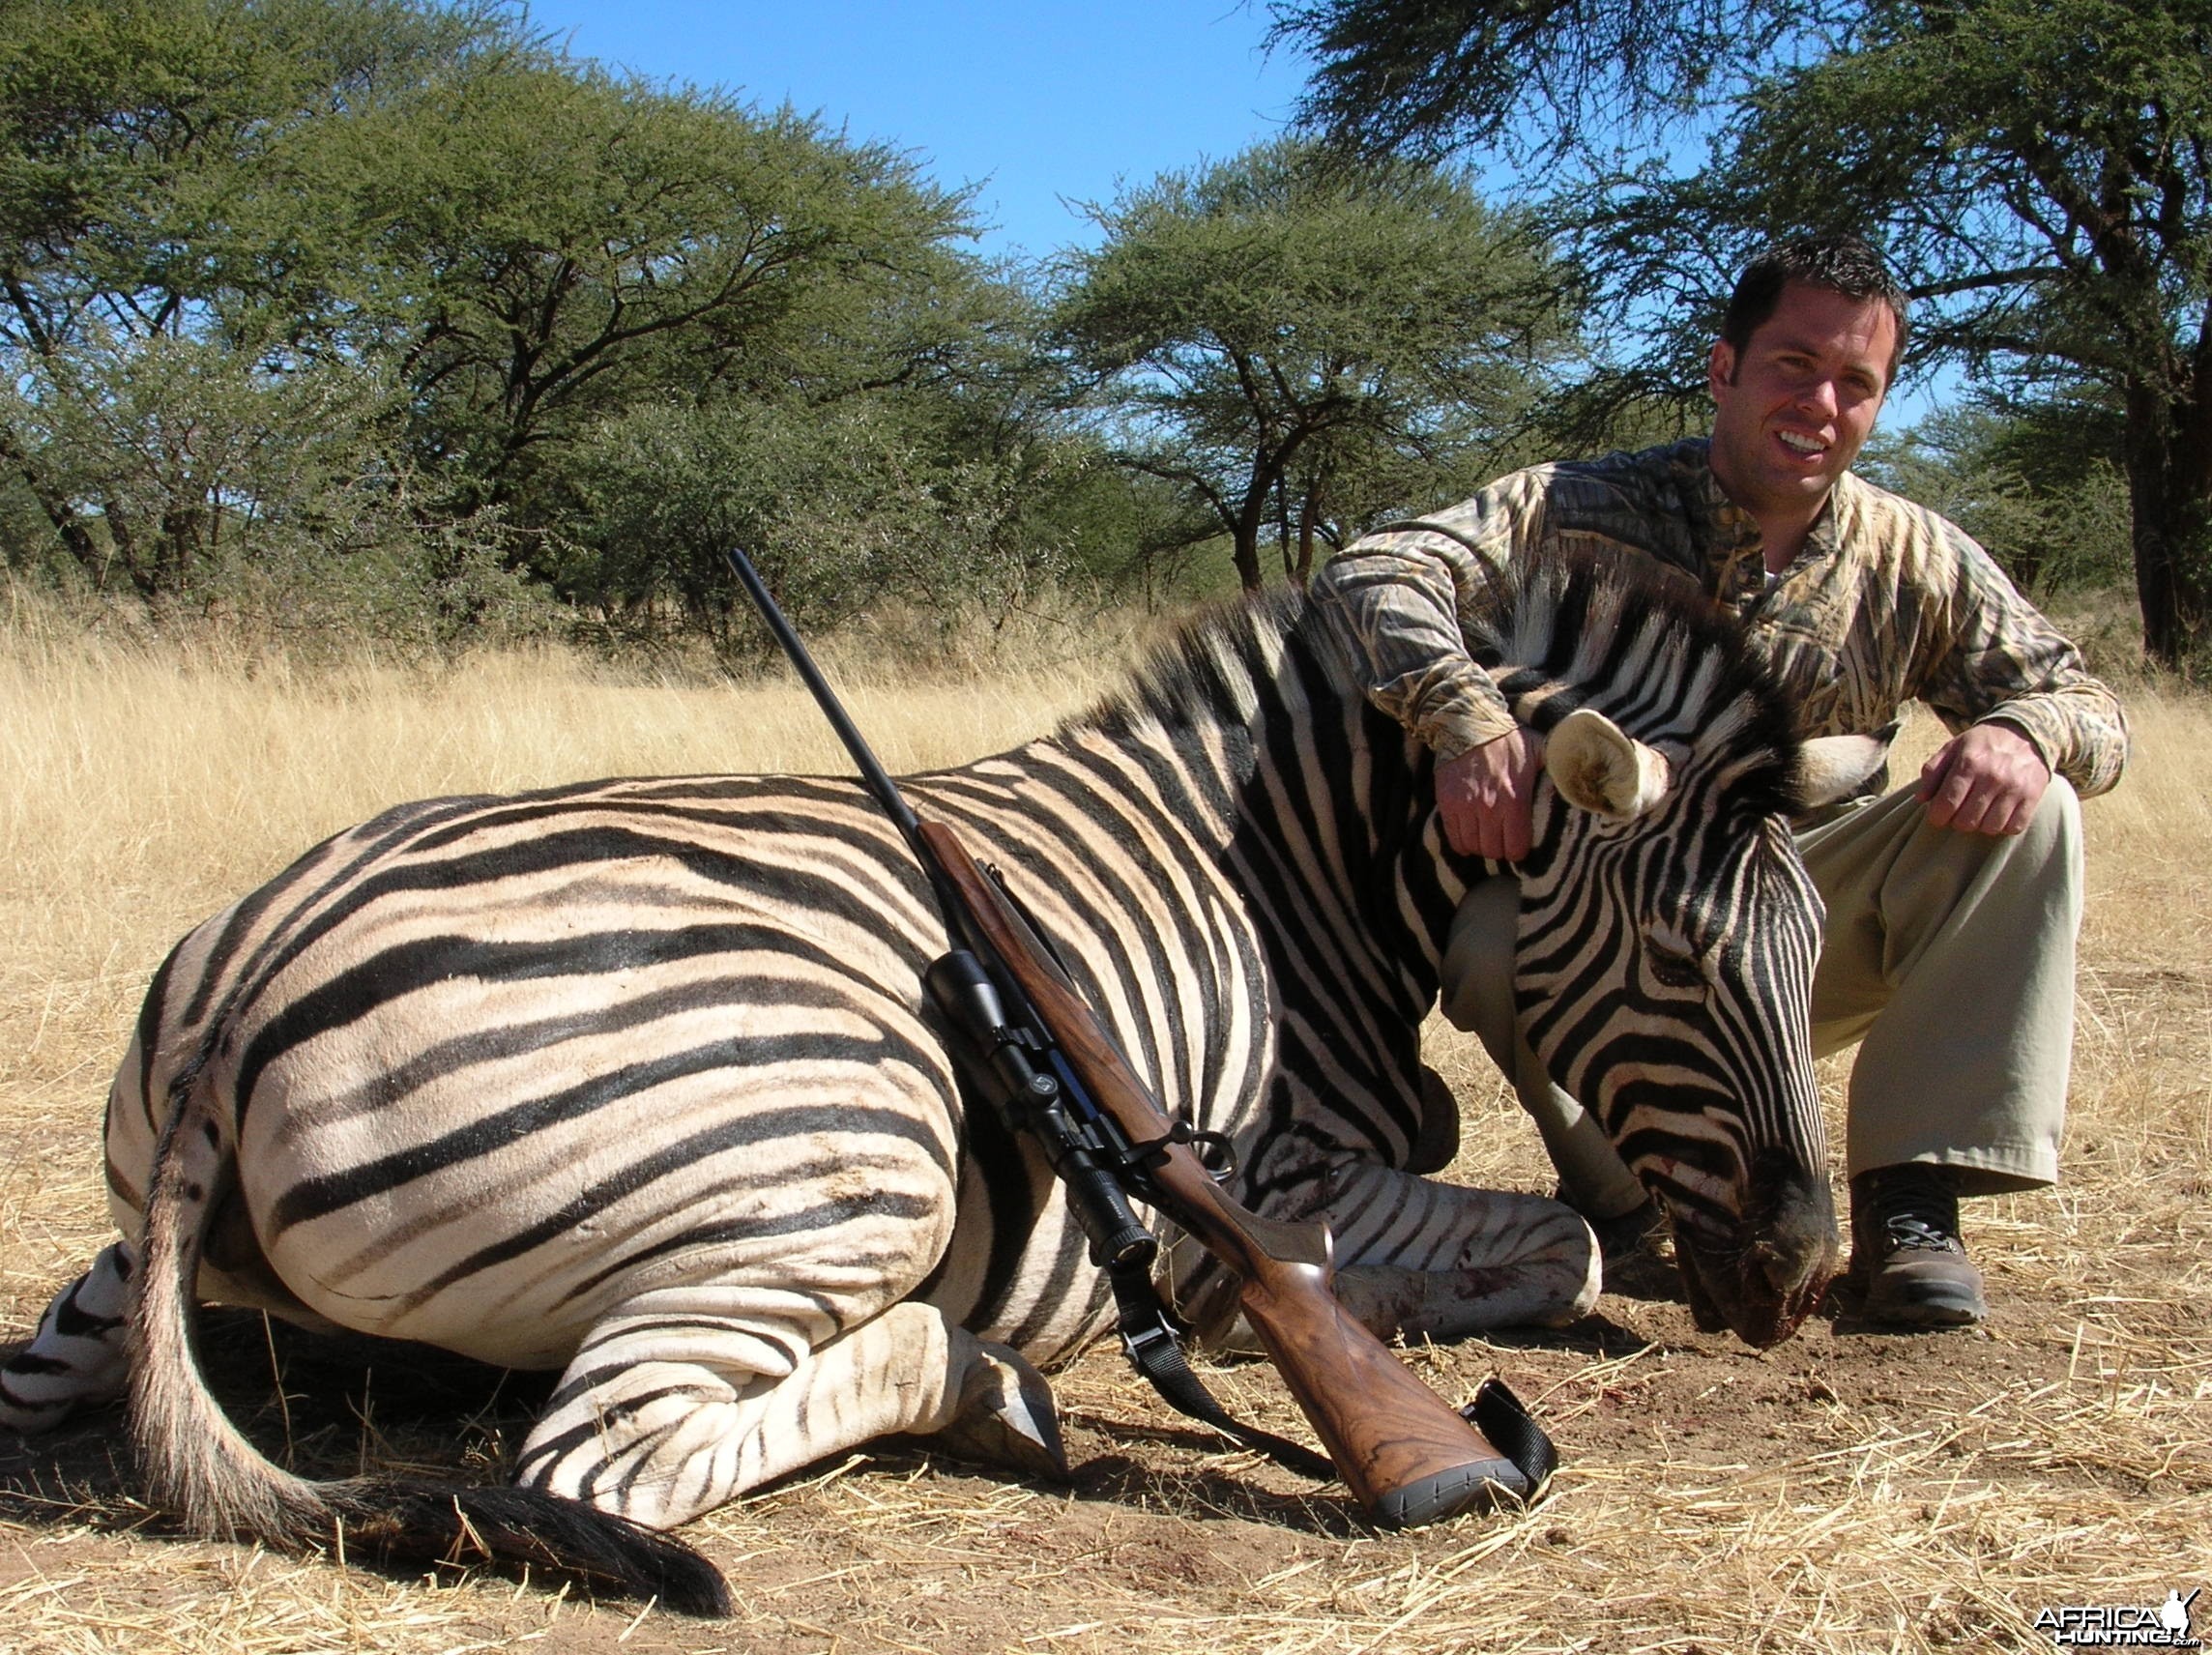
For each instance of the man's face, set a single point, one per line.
(1793, 408)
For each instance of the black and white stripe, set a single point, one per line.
(636, 1078)
(1665, 964)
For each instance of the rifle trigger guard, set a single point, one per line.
(1214, 1151)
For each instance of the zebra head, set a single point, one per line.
(1668, 930)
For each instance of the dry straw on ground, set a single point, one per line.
(1844, 1492)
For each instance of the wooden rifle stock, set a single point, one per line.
(1407, 1455)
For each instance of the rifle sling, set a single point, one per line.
(1153, 1348)
(1502, 1418)
(1149, 1331)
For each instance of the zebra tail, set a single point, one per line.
(198, 1466)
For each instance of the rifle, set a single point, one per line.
(1408, 1456)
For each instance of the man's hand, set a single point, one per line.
(1988, 780)
(1487, 796)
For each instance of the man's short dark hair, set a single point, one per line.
(1840, 264)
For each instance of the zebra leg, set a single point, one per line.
(658, 1420)
(1438, 1260)
(1424, 1260)
(77, 1357)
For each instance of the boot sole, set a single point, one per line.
(1925, 1307)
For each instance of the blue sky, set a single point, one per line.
(1032, 101)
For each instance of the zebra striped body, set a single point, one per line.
(636, 1077)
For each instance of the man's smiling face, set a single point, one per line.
(1793, 407)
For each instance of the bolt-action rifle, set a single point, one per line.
(1053, 1072)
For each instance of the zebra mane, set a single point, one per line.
(1617, 631)
(1214, 669)
(1633, 638)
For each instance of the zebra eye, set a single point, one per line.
(1674, 964)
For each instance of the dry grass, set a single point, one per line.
(1842, 1494)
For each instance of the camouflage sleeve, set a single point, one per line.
(2009, 665)
(1402, 596)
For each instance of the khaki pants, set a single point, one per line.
(1947, 957)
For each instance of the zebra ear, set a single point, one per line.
(1832, 768)
(1599, 768)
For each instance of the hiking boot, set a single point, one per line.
(1907, 1258)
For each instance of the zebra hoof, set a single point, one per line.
(38, 1393)
(1007, 1418)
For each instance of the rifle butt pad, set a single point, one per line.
(1525, 1462)
(1479, 1486)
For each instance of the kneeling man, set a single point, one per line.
(1953, 903)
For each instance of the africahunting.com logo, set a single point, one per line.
(2094, 1626)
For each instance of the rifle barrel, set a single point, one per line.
(872, 773)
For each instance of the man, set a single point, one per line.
(1953, 904)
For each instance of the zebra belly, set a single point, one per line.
(515, 1257)
(497, 1067)
(506, 1224)
(494, 1164)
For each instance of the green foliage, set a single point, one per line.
(836, 507)
(1292, 343)
(2041, 175)
(390, 303)
(558, 245)
(187, 397)
(2037, 484)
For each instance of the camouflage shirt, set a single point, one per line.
(1886, 602)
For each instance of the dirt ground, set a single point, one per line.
(1849, 1490)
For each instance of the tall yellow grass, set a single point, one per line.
(146, 787)
(149, 784)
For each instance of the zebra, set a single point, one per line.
(637, 1079)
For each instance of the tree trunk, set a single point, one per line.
(182, 546)
(2169, 454)
(59, 512)
(1309, 515)
(1252, 516)
(122, 536)
(1245, 552)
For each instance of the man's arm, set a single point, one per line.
(1403, 596)
(2023, 703)
(1398, 594)
(1486, 796)
(1987, 779)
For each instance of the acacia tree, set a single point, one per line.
(401, 271)
(2042, 177)
(2045, 178)
(1244, 322)
(168, 288)
(1542, 82)
(560, 244)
